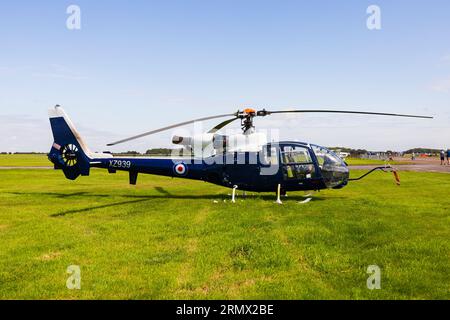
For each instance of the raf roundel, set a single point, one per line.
(180, 169)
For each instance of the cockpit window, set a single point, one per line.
(334, 170)
(297, 163)
(326, 157)
(295, 154)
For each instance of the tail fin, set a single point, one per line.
(69, 152)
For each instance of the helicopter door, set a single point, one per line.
(269, 168)
(242, 169)
(297, 163)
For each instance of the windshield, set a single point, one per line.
(334, 170)
(327, 157)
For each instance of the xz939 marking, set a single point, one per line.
(120, 164)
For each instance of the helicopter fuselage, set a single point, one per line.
(244, 161)
(292, 165)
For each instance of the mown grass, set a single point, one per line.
(171, 238)
(363, 162)
(24, 160)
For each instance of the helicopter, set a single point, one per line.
(246, 161)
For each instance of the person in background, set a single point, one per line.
(442, 154)
(413, 156)
(390, 157)
(448, 157)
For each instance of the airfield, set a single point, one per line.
(177, 239)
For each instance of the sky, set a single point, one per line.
(137, 65)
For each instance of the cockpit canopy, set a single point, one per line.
(302, 161)
(326, 157)
(334, 170)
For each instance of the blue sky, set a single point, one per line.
(139, 65)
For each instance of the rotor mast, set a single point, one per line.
(246, 117)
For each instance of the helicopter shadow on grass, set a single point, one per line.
(297, 198)
(52, 194)
(163, 194)
(137, 199)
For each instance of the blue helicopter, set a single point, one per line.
(246, 161)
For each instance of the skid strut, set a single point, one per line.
(279, 195)
(233, 196)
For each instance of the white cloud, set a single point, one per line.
(52, 71)
(58, 72)
(58, 76)
(24, 133)
(442, 85)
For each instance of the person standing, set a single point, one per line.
(442, 154)
(448, 157)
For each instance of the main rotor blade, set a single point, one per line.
(221, 125)
(169, 127)
(265, 113)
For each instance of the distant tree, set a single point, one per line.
(423, 151)
(127, 153)
(159, 152)
(358, 152)
(354, 153)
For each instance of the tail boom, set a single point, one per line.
(69, 152)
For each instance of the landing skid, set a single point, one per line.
(280, 193)
(308, 198)
(305, 201)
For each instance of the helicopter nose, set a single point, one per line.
(335, 177)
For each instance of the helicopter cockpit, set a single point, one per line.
(303, 162)
(334, 170)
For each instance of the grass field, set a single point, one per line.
(24, 160)
(170, 238)
(363, 162)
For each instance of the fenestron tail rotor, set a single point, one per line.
(247, 115)
(69, 154)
